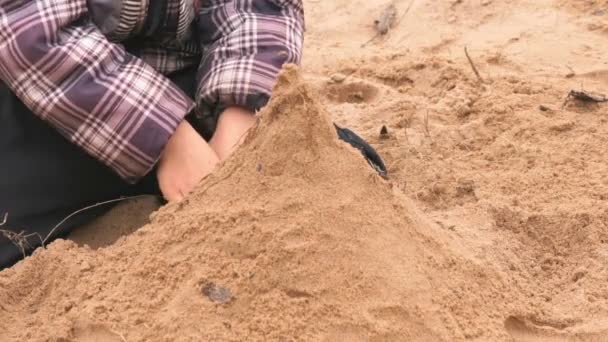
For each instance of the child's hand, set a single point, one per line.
(186, 160)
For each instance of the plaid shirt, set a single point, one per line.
(95, 69)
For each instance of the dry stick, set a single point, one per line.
(572, 72)
(473, 65)
(405, 12)
(19, 239)
(119, 335)
(87, 208)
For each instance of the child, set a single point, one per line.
(101, 99)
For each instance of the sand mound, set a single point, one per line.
(295, 237)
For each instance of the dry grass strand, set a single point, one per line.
(473, 65)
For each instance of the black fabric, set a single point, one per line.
(154, 19)
(44, 178)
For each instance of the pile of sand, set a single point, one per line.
(300, 238)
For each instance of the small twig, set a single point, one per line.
(572, 73)
(370, 40)
(122, 337)
(473, 65)
(20, 240)
(87, 208)
(427, 131)
(405, 12)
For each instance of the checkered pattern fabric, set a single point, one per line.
(102, 84)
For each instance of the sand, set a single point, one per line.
(492, 226)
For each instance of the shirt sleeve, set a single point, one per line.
(103, 99)
(245, 43)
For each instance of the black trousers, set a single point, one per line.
(44, 178)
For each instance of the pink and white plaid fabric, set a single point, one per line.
(119, 106)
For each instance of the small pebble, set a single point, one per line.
(216, 294)
(338, 78)
(85, 266)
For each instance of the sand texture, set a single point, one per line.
(492, 225)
